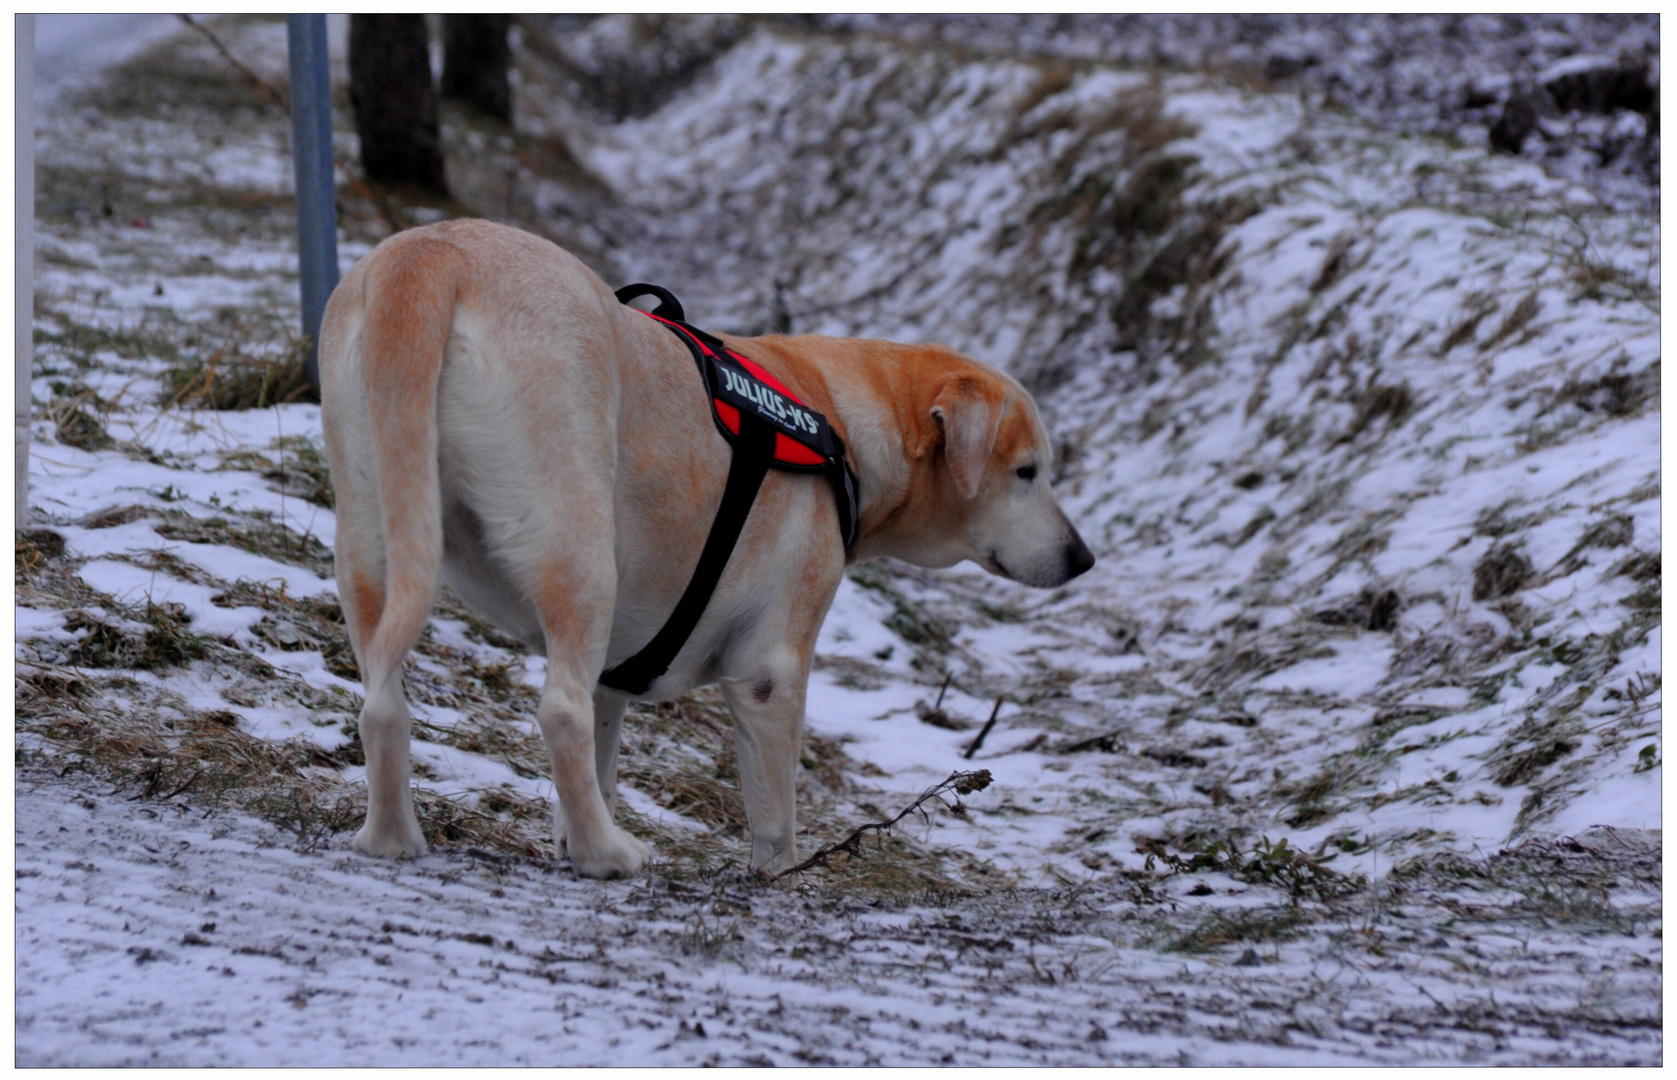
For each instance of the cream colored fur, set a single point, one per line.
(496, 420)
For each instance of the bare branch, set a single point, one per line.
(267, 89)
(961, 783)
(985, 730)
(387, 209)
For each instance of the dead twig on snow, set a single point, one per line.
(983, 731)
(961, 783)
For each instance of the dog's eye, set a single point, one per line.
(1026, 473)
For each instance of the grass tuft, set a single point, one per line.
(234, 380)
(1502, 571)
(1252, 926)
(1303, 875)
(1394, 404)
(1522, 767)
(34, 549)
(76, 413)
(161, 642)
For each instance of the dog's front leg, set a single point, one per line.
(768, 713)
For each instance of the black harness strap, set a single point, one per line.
(755, 445)
(751, 463)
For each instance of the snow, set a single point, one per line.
(73, 49)
(1201, 681)
(173, 940)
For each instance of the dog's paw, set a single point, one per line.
(772, 855)
(406, 843)
(774, 867)
(616, 854)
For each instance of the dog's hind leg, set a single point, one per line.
(609, 707)
(381, 427)
(574, 601)
(391, 829)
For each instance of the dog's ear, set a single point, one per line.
(968, 413)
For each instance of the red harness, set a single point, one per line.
(769, 427)
(789, 450)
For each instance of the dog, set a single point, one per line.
(496, 419)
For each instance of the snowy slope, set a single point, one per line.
(1343, 366)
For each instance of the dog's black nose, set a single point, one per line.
(1078, 557)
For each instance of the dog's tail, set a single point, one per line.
(409, 304)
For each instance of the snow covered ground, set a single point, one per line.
(1364, 430)
(152, 935)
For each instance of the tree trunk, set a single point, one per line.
(394, 101)
(476, 55)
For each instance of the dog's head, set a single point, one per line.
(952, 456)
(992, 462)
(977, 471)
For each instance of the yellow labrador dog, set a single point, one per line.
(496, 419)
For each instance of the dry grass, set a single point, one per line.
(78, 417)
(1394, 404)
(143, 738)
(1256, 926)
(232, 380)
(148, 743)
(152, 747)
(680, 754)
(294, 463)
(1502, 571)
(255, 532)
(35, 548)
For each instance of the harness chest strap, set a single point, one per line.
(769, 427)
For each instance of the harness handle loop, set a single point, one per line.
(668, 306)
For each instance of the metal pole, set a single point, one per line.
(24, 250)
(311, 157)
